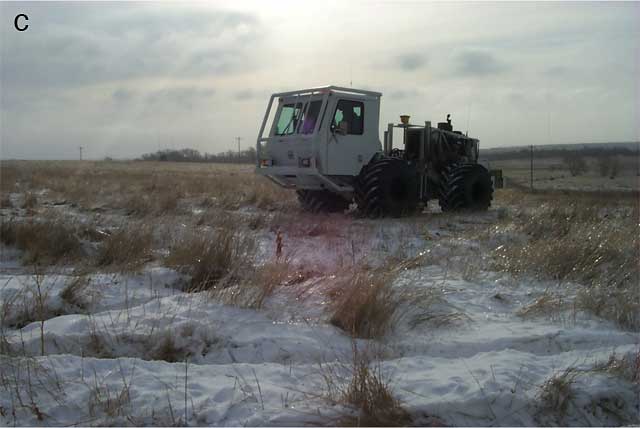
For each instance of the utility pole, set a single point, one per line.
(80, 152)
(238, 139)
(531, 168)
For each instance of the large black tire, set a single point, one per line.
(387, 187)
(466, 187)
(321, 201)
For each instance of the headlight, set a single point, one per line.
(306, 162)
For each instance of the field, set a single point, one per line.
(553, 173)
(141, 293)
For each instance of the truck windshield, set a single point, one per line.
(298, 118)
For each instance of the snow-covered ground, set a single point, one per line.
(465, 355)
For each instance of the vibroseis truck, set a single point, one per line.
(324, 143)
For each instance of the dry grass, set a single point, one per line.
(545, 305)
(109, 402)
(30, 201)
(210, 257)
(144, 188)
(556, 392)
(590, 239)
(371, 394)
(365, 303)
(573, 242)
(157, 204)
(126, 248)
(562, 399)
(25, 383)
(626, 367)
(367, 391)
(618, 303)
(256, 285)
(98, 346)
(74, 292)
(369, 303)
(5, 201)
(50, 240)
(164, 346)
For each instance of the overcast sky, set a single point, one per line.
(123, 79)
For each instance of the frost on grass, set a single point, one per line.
(211, 257)
(582, 241)
(595, 396)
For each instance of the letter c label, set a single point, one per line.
(17, 24)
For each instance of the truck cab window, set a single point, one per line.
(298, 118)
(288, 119)
(352, 114)
(310, 117)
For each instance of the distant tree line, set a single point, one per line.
(540, 152)
(192, 155)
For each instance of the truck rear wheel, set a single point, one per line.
(321, 201)
(387, 187)
(466, 187)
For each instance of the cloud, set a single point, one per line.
(89, 44)
(122, 95)
(411, 62)
(478, 63)
(186, 97)
(245, 94)
(401, 94)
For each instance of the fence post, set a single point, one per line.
(531, 168)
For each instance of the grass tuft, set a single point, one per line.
(545, 305)
(210, 257)
(166, 348)
(365, 303)
(49, 241)
(368, 392)
(126, 248)
(556, 392)
(74, 291)
(256, 285)
(30, 201)
(371, 394)
(5, 201)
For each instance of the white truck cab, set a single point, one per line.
(316, 133)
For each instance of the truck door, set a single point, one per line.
(347, 150)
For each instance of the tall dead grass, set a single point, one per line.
(365, 303)
(143, 188)
(583, 240)
(51, 240)
(126, 248)
(367, 391)
(210, 257)
(255, 286)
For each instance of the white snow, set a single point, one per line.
(472, 361)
